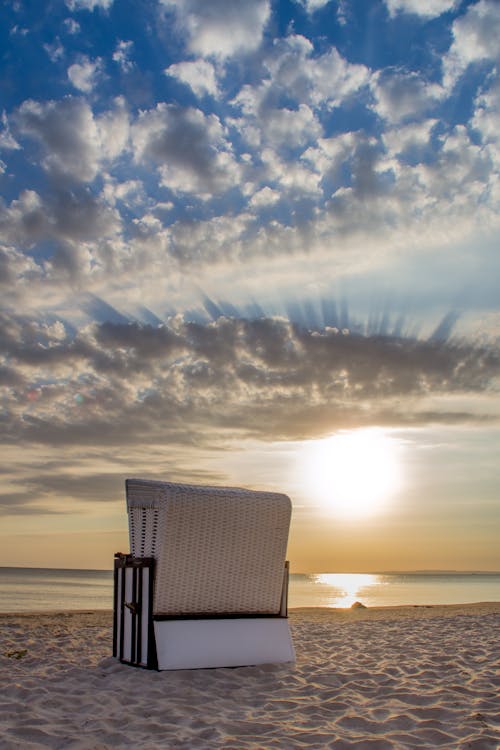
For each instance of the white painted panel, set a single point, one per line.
(190, 644)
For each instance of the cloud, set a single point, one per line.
(296, 178)
(18, 30)
(7, 140)
(349, 161)
(461, 173)
(84, 74)
(475, 39)
(97, 487)
(424, 8)
(130, 192)
(68, 219)
(320, 80)
(266, 378)
(313, 5)
(401, 96)
(295, 127)
(68, 132)
(349, 201)
(221, 29)
(71, 26)
(74, 141)
(221, 237)
(24, 221)
(284, 110)
(295, 73)
(409, 139)
(189, 148)
(113, 128)
(55, 51)
(14, 266)
(199, 75)
(264, 197)
(39, 486)
(88, 4)
(122, 54)
(486, 122)
(82, 216)
(21, 503)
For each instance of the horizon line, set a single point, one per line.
(417, 571)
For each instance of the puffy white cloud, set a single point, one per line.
(7, 140)
(295, 127)
(412, 137)
(401, 96)
(15, 266)
(277, 126)
(18, 31)
(406, 197)
(113, 129)
(67, 216)
(88, 4)
(460, 175)
(425, 8)
(74, 141)
(122, 53)
(221, 29)
(71, 26)
(55, 51)
(25, 220)
(378, 186)
(68, 132)
(329, 153)
(203, 242)
(295, 75)
(486, 121)
(475, 39)
(295, 177)
(82, 217)
(129, 192)
(84, 74)
(312, 5)
(189, 148)
(199, 75)
(264, 197)
(321, 81)
(350, 160)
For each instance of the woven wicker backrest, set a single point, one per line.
(217, 549)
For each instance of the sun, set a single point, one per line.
(352, 474)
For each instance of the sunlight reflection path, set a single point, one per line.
(347, 587)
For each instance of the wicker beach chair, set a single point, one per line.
(206, 583)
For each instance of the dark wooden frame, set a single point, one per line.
(138, 564)
(135, 606)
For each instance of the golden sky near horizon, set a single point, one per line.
(363, 501)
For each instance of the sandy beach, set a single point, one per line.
(395, 677)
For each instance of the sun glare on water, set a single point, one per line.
(347, 588)
(352, 474)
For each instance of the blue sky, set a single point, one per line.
(230, 230)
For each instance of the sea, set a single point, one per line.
(42, 589)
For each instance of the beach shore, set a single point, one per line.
(381, 678)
